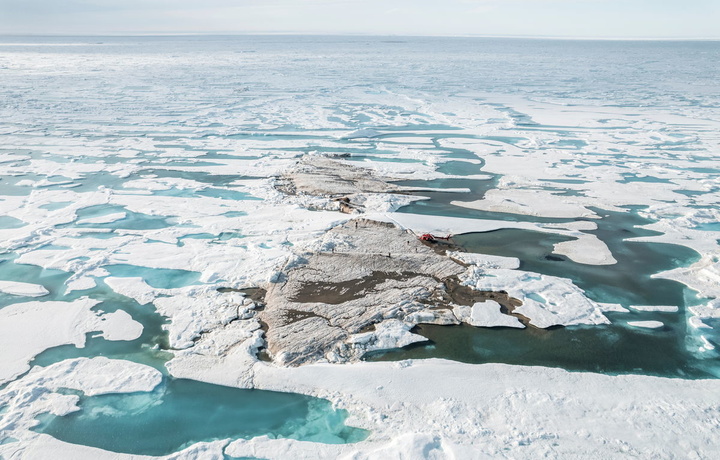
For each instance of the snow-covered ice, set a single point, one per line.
(646, 324)
(23, 289)
(27, 329)
(547, 300)
(660, 308)
(486, 314)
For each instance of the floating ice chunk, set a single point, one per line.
(587, 250)
(660, 308)
(106, 219)
(133, 287)
(387, 335)
(613, 307)
(222, 356)
(575, 225)
(646, 324)
(702, 276)
(23, 289)
(707, 346)
(119, 325)
(486, 314)
(527, 202)
(697, 323)
(80, 284)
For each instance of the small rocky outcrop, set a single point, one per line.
(367, 284)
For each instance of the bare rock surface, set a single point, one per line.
(322, 176)
(364, 287)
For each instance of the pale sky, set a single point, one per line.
(554, 18)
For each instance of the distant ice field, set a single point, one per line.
(137, 173)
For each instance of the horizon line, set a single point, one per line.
(358, 34)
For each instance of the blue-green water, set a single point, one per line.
(10, 222)
(132, 220)
(161, 278)
(52, 280)
(182, 412)
(615, 348)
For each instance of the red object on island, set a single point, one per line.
(429, 237)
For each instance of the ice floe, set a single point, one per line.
(486, 314)
(23, 289)
(646, 324)
(659, 308)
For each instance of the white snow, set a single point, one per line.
(455, 410)
(23, 289)
(27, 329)
(119, 325)
(646, 324)
(386, 336)
(106, 219)
(486, 314)
(37, 392)
(660, 308)
(485, 261)
(586, 249)
(529, 202)
(547, 300)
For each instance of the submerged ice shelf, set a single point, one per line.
(149, 225)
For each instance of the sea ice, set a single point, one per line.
(27, 329)
(547, 300)
(486, 314)
(485, 261)
(646, 324)
(37, 392)
(23, 289)
(660, 308)
(586, 249)
(106, 219)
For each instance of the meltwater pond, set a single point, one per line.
(183, 412)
